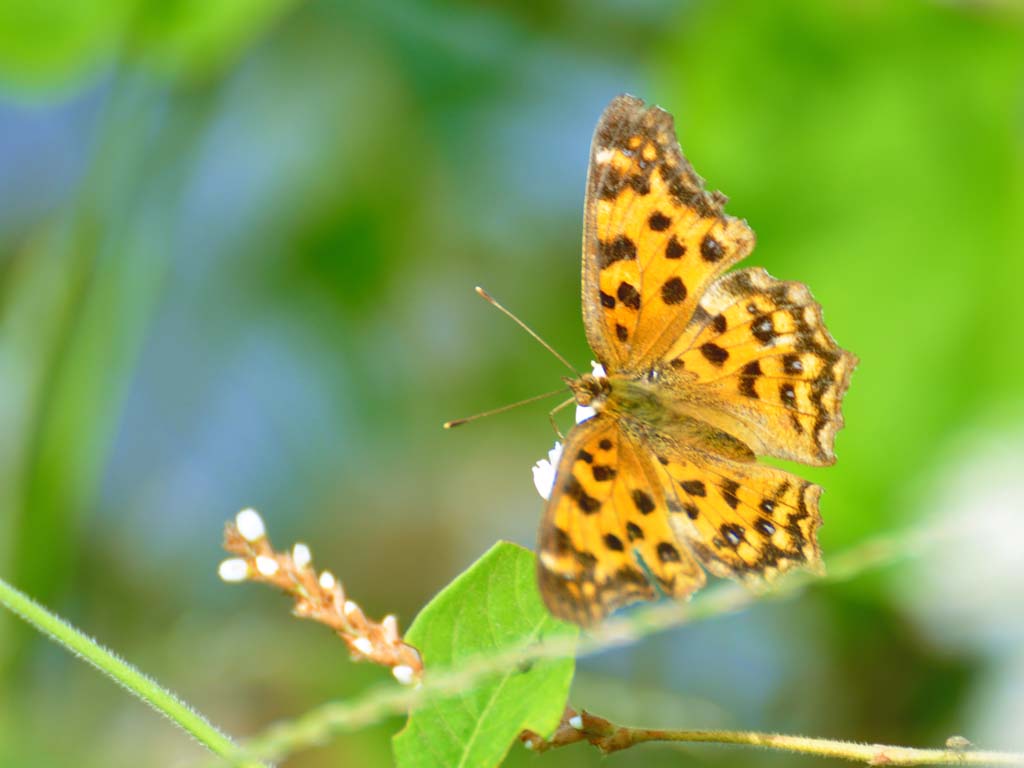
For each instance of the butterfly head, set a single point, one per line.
(589, 390)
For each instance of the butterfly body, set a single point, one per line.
(706, 370)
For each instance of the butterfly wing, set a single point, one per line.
(607, 508)
(762, 366)
(739, 518)
(654, 238)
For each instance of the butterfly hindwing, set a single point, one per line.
(767, 369)
(654, 238)
(607, 508)
(741, 519)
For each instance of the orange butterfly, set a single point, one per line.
(705, 372)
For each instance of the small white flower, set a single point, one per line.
(301, 555)
(584, 412)
(390, 626)
(250, 524)
(266, 565)
(363, 645)
(327, 580)
(234, 569)
(544, 472)
(350, 607)
(404, 674)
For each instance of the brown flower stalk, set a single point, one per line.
(319, 597)
(608, 737)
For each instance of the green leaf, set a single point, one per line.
(491, 608)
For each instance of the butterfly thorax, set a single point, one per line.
(657, 406)
(624, 395)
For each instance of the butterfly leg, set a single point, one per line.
(556, 409)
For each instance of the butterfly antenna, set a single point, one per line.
(494, 302)
(502, 409)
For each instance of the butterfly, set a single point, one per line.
(706, 371)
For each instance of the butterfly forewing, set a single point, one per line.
(585, 564)
(607, 535)
(654, 238)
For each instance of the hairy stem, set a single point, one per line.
(123, 673)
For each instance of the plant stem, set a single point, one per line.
(611, 738)
(122, 672)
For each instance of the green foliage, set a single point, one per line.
(492, 607)
(52, 43)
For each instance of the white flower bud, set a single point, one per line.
(404, 674)
(233, 570)
(301, 555)
(266, 565)
(250, 524)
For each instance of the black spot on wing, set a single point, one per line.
(658, 221)
(763, 329)
(619, 249)
(667, 552)
(747, 388)
(673, 291)
(694, 487)
(674, 249)
(732, 533)
(728, 489)
(613, 542)
(574, 490)
(787, 393)
(711, 250)
(629, 295)
(713, 353)
(561, 543)
(643, 501)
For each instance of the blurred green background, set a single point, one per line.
(238, 242)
